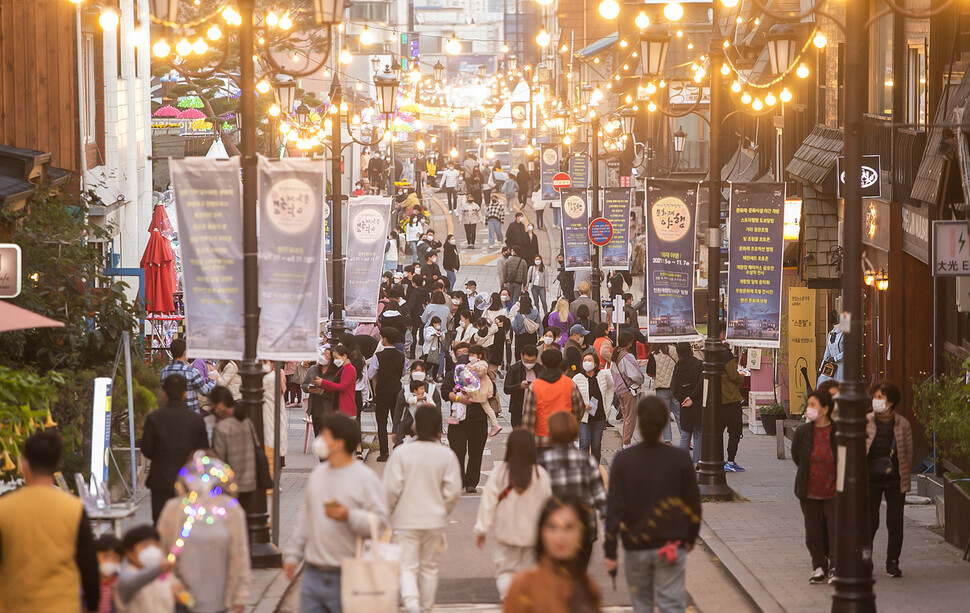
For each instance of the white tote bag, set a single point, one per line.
(370, 584)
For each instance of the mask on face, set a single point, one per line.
(338, 362)
(529, 366)
(472, 359)
(323, 361)
(417, 271)
(547, 340)
(504, 298)
(108, 569)
(811, 414)
(588, 366)
(434, 260)
(437, 326)
(879, 405)
(455, 301)
(320, 448)
(453, 241)
(529, 228)
(538, 262)
(418, 375)
(151, 556)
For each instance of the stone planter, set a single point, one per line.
(770, 422)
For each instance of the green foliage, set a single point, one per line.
(775, 408)
(942, 406)
(25, 399)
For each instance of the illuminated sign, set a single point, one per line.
(100, 432)
(793, 218)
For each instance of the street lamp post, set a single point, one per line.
(711, 478)
(594, 126)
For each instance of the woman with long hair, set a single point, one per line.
(525, 324)
(561, 318)
(537, 281)
(452, 260)
(627, 379)
(232, 440)
(596, 386)
(344, 394)
(602, 342)
(510, 507)
(559, 583)
(412, 233)
(687, 386)
(474, 185)
(495, 308)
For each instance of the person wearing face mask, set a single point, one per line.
(889, 451)
(434, 339)
(525, 324)
(530, 249)
(515, 234)
(470, 214)
(48, 549)
(566, 279)
(403, 413)
(596, 386)
(319, 404)
(519, 377)
(537, 282)
(813, 450)
(107, 547)
(233, 442)
(466, 437)
(573, 351)
(272, 389)
(485, 394)
(145, 580)
(386, 370)
(452, 261)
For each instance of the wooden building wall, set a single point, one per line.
(38, 79)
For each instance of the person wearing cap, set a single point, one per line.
(476, 301)
(573, 350)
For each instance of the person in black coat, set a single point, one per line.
(452, 260)
(171, 434)
(518, 379)
(813, 450)
(467, 437)
(386, 370)
(396, 313)
(687, 386)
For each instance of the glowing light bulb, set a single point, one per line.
(690, 46)
(651, 88)
(214, 33)
(623, 44)
(673, 11)
(746, 98)
(161, 49)
(505, 48)
(735, 87)
(802, 71)
(453, 46)
(274, 111)
(730, 3)
(184, 47)
(529, 149)
(726, 43)
(820, 41)
(343, 107)
(285, 22)
(725, 69)
(263, 86)
(542, 38)
(642, 20)
(272, 19)
(200, 46)
(651, 106)
(757, 104)
(785, 95)
(453, 152)
(567, 140)
(680, 34)
(366, 38)
(770, 99)
(609, 9)
(108, 20)
(345, 57)
(453, 126)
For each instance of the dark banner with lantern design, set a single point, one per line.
(671, 243)
(755, 259)
(366, 237)
(575, 229)
(548, 167)
(291, 254)
(616, 208)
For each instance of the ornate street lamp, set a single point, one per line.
(628, 117)
(386, 85)
(439, 71)
(512, 62)
(680, 140)
(375, 63)
(482, 71)
(654, 42)
(302, 114)
(781, 47)
(328, 12)
(285, 92)
(398, 70)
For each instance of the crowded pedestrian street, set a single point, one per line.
(354, 306)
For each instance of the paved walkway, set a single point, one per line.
(761, 543)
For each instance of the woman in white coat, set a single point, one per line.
(596, 385)
(512, 501)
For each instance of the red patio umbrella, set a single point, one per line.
(15, 318)
(159, 264)
(160, 221)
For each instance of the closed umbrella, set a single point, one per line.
(159, 264)
(15, 318)
(161, 222)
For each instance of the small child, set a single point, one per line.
(107, 548)
(479, 365)
(416, 395)
(145, 581)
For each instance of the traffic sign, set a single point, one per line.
(600, 232)
(560, 180)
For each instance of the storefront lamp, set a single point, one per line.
(654, 42)
(628, 117)
(285, 93)
(869, 277)
(680, 140)
(882, 281)
(439, 71)
(781, 47)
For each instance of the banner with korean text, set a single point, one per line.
(208, 208)
(366, 235)
(756, 249)
(671, 243)
(579, 171)
(548, 167)
(616, 209)
(575, 229)
(291, 196)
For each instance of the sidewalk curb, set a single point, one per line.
(742, 576)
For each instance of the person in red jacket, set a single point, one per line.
(343, 384)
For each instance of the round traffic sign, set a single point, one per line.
(560, 180)
(600, 232)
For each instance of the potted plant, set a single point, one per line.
(942, 406)
(769, 414)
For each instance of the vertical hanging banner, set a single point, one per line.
(616, 208)
(548, 167)
(208, 207)
(366, 237)
(579, 171)
(801, 347)
(290, 257)
(671, 244)
(755, 258)
(575, 228)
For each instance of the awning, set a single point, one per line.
(601, 46)
(15, 318)
(929, 177)
(815, 158)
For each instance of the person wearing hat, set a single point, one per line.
(476, 302)
(573, 350)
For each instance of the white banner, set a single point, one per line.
(366, 236)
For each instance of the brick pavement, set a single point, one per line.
(761, 543)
